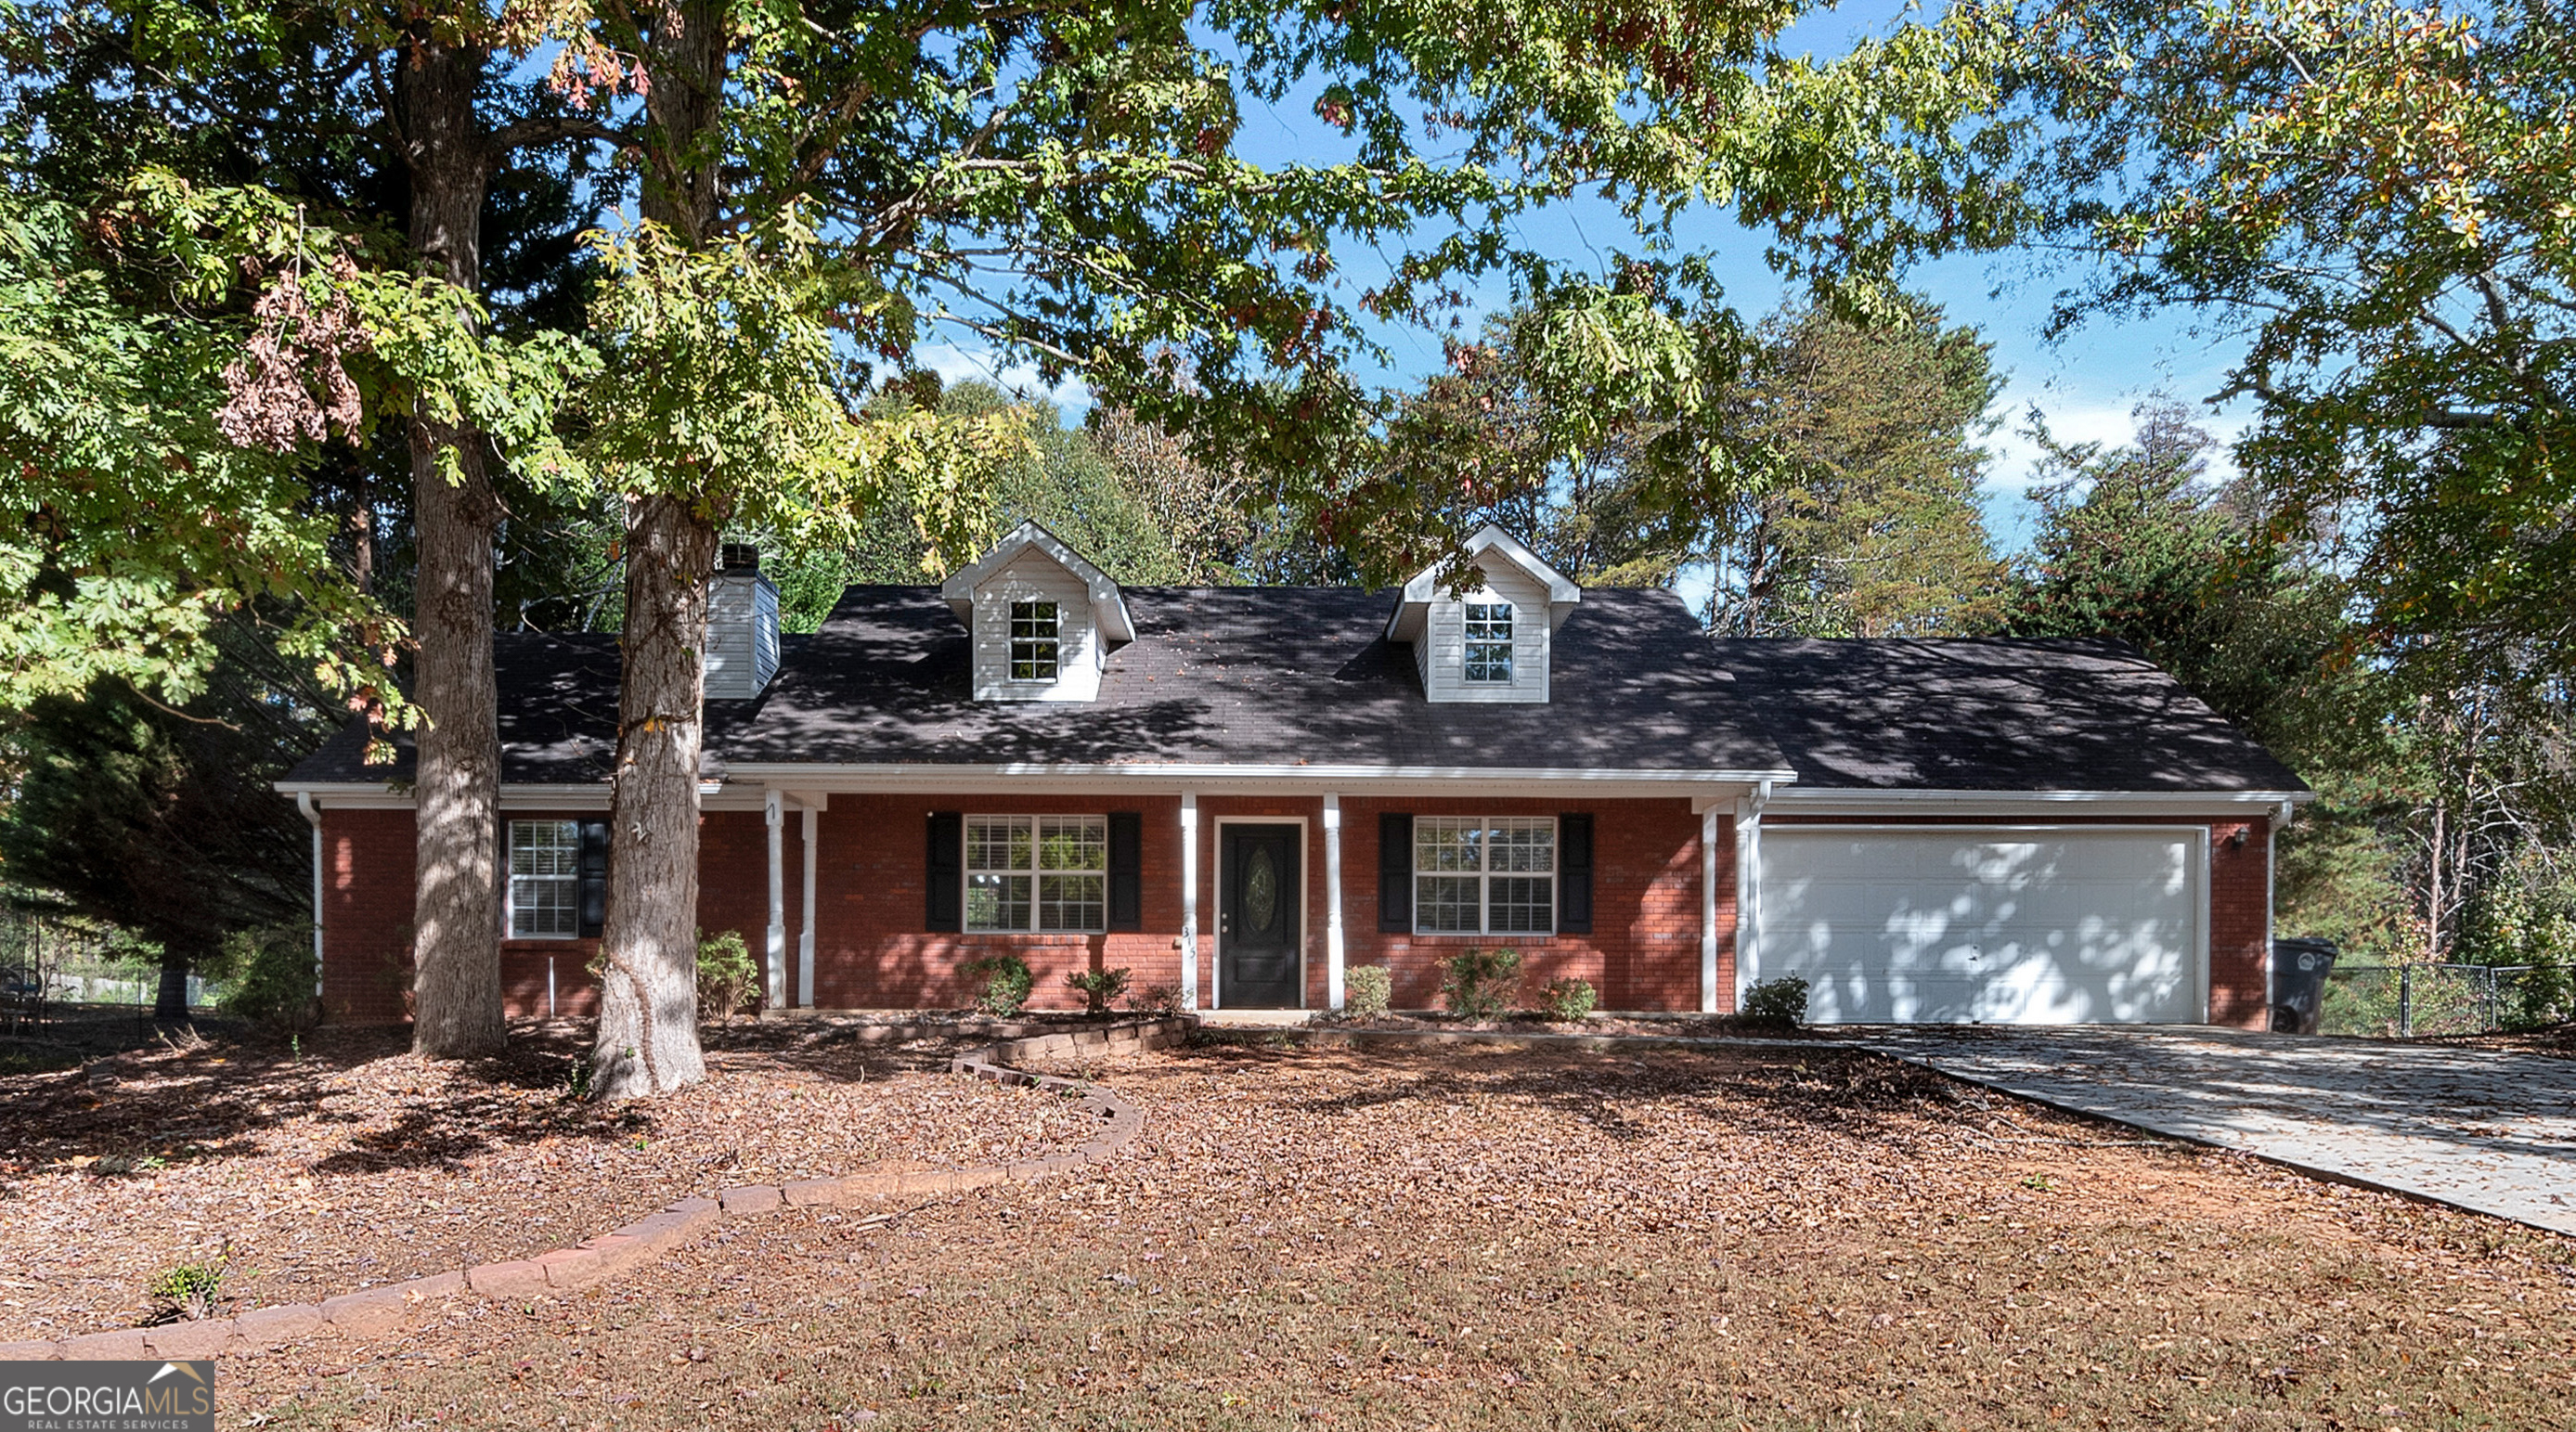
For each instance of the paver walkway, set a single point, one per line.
(2477, 1129)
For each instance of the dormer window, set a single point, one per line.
(1034, 633)
(1042, 619)
(1483, 626)
(1489, 642)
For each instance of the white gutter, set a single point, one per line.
(313, 817)
(1827, 800)
(1217, 778)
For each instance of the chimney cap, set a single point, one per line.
(739, 557)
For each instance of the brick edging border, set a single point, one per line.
(388, 1307)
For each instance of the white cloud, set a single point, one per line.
(2072, 419)
(958, 365)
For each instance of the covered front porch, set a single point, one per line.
(1227, 892)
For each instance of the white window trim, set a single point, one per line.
(510, 883)
(1011, 641)
(1467, 643)
(1484, 879)
(967, 872)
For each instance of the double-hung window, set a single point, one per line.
(1043, 873)
(1492, 875)
(1036, 630)
(1489, 642)
(545, 878)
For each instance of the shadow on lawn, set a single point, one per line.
(1851, 1093)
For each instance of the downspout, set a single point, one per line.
(805, 933)
(313, 816)
(2282, 815)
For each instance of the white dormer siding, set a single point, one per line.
(742, 634)
(1035, 577)
(1433, 619)
(1440, 653)
(1033, 566)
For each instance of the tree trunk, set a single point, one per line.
(170, 997)
(647, 1041)
(457, 911)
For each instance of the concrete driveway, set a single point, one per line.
(2486, 1131)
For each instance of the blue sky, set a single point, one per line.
(2085, 384)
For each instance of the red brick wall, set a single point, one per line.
(2239, 904)
(366, 914)
(1643, 952)
(871, 900)
(367, 876)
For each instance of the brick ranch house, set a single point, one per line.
(1245, 792)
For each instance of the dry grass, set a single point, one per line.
(1505, 1239)
(355, 1163)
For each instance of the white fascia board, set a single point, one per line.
(1245, 779)
(1815, 800)
(358, 795)
(1107, 601)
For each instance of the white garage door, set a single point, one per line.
(2020, 926)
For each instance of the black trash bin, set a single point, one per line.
(2299, 970)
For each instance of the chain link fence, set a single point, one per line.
(2405, 1001)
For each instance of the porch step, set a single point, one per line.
(1256, 1018)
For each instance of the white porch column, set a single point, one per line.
(774, 812)
(1708, 911)
(1333, 902)
(1189, 900)
(805, 934)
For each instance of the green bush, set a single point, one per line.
(1099, 988)
(1782, 1002)
(1569, 1000)
(191, 1290)
(726, 975)
(1367, 990)
(1007, 983)
(1479, 982)
(268, 979)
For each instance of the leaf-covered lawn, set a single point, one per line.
(1484, 1239)
(355, 1163)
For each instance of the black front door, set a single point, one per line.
(1256, 932)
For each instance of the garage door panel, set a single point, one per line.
(1955, 926)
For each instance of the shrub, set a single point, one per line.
(1479, 982)
(1782, 1002)
(1367, 991)
(1099, 988)
(191, 1290)
(1007, 983)
(726, 975)
(1156, 999)
(268, 976)
(1568, 999)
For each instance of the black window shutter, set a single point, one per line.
(1574, 873)
(594, 877)
(947, 872)
(1395, 872)
(1126, 874)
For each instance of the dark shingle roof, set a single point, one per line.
(1290, 675)
(558, 716)
(1256, 675)
(1991, 715)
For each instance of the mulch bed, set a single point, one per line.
(1501, 1238)
(355, 1163)
(1694, 1026)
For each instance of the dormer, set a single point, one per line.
(1487, 635)
(1042, 618)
